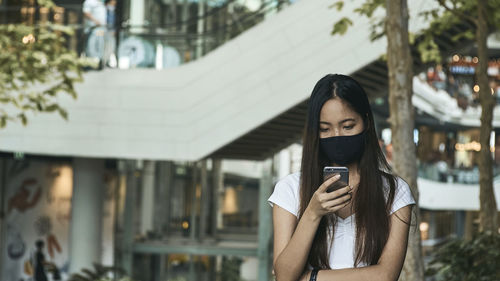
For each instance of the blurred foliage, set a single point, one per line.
(440, 19)
(367, 9)
(467, 260)
(35, 66)
(230, 270)
(100, 273)
(449, 14)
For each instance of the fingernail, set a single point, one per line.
(337, 176)
(350, 187)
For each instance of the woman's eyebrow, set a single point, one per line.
(346, 120)
(340, 122)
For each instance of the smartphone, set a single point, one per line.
(329, 172)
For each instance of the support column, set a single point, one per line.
(200, 28)
(128, 218)
(205, 200)
(192, 274)
(163, 197)
(194, 204)
(156, 267)
(161, 218)
(432, 225)
(265, 227)
(86, 214)
(284, 160)
(184, 16)
(460, 223)
(3, 188)
(148, 197)
(137, 8)
(218, 193)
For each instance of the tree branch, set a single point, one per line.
(458, 13)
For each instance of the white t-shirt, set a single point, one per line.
(286, 195)
(97, 9)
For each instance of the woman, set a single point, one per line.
(357, 232)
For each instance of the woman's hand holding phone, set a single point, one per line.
(323, 202)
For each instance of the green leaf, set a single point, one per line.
(3, 121)
(468, 34)
(63, 113)
(4, 99)
(369, 7)
(341, 26)
(51, 108)
(23, 118)
(338, 5)
(429, 50)
(411, 38)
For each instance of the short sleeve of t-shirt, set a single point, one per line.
(286, 194)
(402, 195)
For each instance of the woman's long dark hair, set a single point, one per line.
(371, 206)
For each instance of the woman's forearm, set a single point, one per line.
(290, 264)
(368, 273)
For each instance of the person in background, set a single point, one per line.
(439, 79)
(442, 168)
(110, 14)
(40, 263)
(452, 86)
(94, 12)
(430, 75)
(110, 42)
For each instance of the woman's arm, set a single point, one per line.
(293, 240)
(391, 261)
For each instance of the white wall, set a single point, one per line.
(46, 217)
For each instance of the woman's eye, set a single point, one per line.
(348, 127)
(323, 129)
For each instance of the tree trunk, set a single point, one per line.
(488, 211)
(399, 63)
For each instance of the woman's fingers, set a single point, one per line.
(322, 188)
(327, 196)
(338, 207)
(338, 202)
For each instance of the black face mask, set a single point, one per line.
(343, 150)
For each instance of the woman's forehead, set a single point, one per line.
(337, 109)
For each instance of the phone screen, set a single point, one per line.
(329, 172)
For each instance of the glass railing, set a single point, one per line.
(436, 172)
(170, 45)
